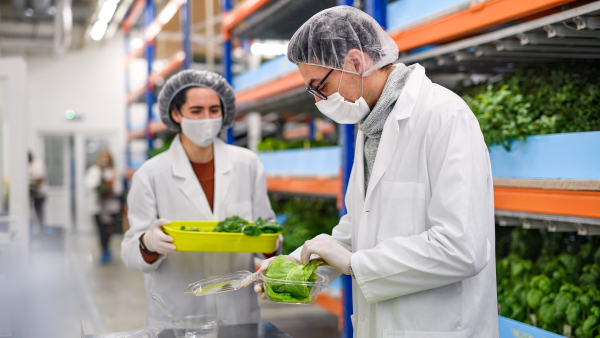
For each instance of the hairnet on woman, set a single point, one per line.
(199, 178)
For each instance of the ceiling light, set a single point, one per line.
(268, 48)
(107, 11)
(137, 43)
(98, 30)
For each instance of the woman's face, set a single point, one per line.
(105, 159)
(200, 103)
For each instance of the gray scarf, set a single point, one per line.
(372, 124)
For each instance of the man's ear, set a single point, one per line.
(176, 116)
(355, 61)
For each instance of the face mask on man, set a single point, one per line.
(342, 111)
(201, 131)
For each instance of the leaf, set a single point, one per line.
(534, 298)
(589, 324)
(284, 269)
(573, 313)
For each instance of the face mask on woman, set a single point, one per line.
(201, 131)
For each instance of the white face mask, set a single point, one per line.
(201, 131)
(341, 111)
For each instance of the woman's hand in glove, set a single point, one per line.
(330, 251)
(156, 240)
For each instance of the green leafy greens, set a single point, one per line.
(285, 270)
(235, 224)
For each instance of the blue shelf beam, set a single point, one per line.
(149, 14)
(185, 14)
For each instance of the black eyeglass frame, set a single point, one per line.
(315, 91)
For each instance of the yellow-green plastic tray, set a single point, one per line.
(217, 241)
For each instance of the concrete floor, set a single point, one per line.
(65, 289)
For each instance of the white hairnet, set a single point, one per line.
(325, 39)
(196, 78)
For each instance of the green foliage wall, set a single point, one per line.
(549, 279)
(307, 218)
(554, 98)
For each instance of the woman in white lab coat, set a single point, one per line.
(104, 189)
(418, 238)
(198, 178)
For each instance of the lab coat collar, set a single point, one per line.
(190, 186)
(402, 110)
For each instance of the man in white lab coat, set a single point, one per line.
(418, 238)
(198, 178)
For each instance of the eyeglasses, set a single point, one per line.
(315, 91)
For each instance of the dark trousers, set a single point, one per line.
(38, 205)
(106, 229)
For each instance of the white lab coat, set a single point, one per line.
(166, 187)
(423, 235)
(93, 178)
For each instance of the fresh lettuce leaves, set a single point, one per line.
(235, 224)
(286, 270)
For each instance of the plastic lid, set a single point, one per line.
(218, 284)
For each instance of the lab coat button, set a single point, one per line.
(362, 317)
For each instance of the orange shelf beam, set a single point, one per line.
(549, 201)
(136, 11)
(312, 186)
(174, 63)
(239, 13)
(476, 17)
(274, 87)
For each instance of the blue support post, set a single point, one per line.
(185, 13)
(127, 113)
(312, 131)
(376, 9)
(227, 62)
(148, 18)
(346, 135)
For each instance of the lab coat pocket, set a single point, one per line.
(403, 209)
(243, 210)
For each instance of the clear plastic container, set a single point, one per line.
(313, 294)
(206, 326)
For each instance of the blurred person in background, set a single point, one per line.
(37, 187)
(104, 190)
(199, 178)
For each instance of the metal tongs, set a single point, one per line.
(223, 283)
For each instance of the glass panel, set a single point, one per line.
(55, 154)
(93, 147)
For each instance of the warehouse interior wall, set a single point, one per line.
(89, 82)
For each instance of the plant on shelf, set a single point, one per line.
(555, 98)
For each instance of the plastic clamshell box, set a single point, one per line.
(205, 240)
(315, 289)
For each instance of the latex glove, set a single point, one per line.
(258, 284)
(156, 240)
(330, 251)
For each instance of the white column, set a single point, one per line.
(254, 121)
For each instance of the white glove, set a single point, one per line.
(258, 284)
(156, 240)
(330, 251)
